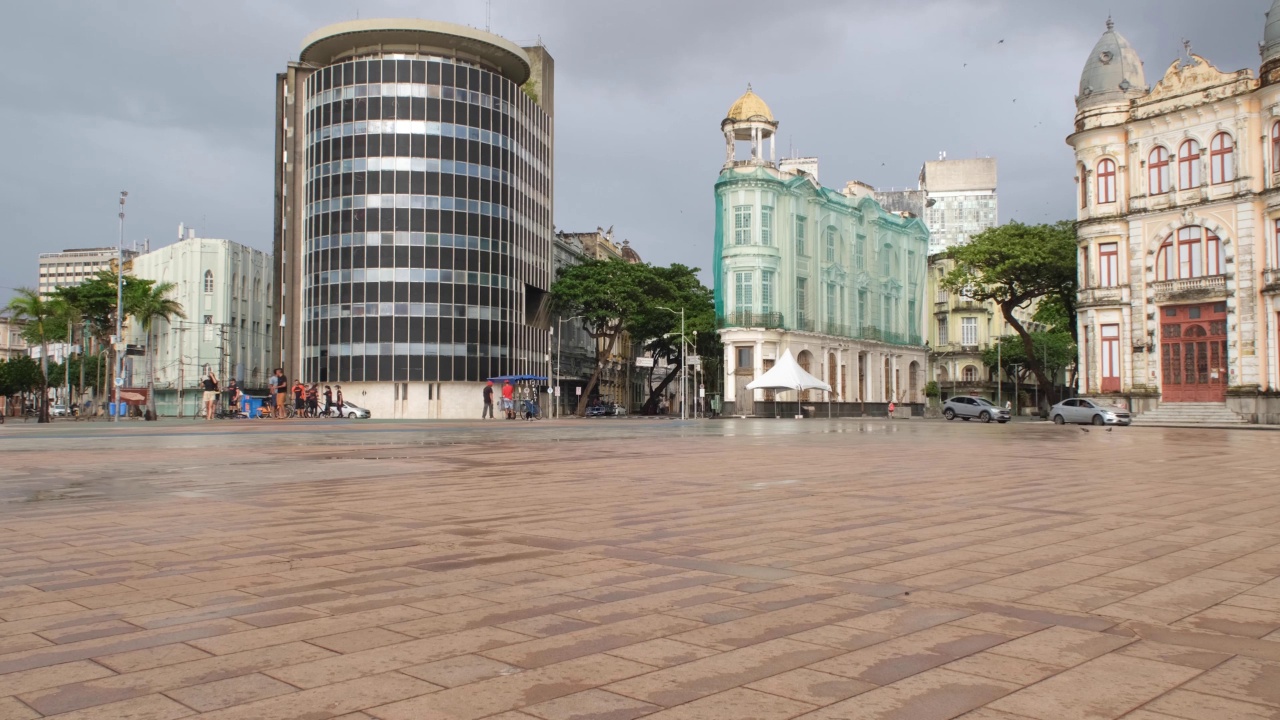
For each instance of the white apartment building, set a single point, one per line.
(960, 200)
(225, 291)
(72, 267)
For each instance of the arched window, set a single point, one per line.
(1275, 147)
(970, 374)
(1189, 165)
(1221, 163)
(1106, 181)
(233, 284)
(244, 286)
(1191, 252)
(208, 281)
(1158, 171)
(1083, 182)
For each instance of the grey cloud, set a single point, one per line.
(174, 102)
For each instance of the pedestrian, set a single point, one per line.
(210, 383)
(328, 401)
(233, 395)
(313, 400)
(892, 406)
(338, 399)
(282, 394)
(487, 413)
(299, 398)
(508, 399)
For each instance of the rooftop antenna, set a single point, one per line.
(1186, 46)
(488, 7)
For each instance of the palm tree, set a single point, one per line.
(148, 308)
(39, 315)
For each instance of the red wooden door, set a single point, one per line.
(1110, 358)
(1193, 353)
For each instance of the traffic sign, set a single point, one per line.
(119, 382)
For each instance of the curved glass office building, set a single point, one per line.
(415, 213)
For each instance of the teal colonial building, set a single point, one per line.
(828, 274)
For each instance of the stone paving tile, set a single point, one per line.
(626, 583)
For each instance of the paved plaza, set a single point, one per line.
(617, 569)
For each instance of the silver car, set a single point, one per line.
(1084, 411)
(966, 408)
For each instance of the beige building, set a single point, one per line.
(72, 267)
(1179, 228)
(11, 342)
(960, 199)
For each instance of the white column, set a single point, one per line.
(758, 361)
(730, 392)
(839, 388)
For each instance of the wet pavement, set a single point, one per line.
(617, 569)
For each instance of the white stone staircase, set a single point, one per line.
(1188, 413)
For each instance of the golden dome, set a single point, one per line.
(750, 107)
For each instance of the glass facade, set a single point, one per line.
(427, 229)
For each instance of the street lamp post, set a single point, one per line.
(697, 389)
(683, 404)
(119, 364)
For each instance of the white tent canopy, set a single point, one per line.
(786, 374)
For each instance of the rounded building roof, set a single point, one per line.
(1113, 72)
(411, 35)
(750, 107)
(1271, 38)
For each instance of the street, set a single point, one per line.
(636, 568)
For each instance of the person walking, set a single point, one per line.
(313, 400)
(338, 399)
(328, 401)
(282, 394)
(299, 398)
(210, 383)
(488, 402)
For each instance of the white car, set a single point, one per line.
(354, 412)
(59, 411)
(1089, 412)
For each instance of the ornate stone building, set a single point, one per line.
(829, 275)
(1179, 227)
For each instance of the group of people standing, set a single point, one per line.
(305, 398)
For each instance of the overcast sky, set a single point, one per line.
(173, 101)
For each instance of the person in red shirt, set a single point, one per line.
(508, 399)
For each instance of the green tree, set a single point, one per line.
(1055, 351)
(677, 287)
(40, 318)
(21, 376)
(1015, 265)
(152, 306)
(94, 301)
(613, 297)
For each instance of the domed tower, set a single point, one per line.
(1270, 73)
(749, 119)
(1112, 77)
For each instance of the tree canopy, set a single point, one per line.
(615, 297)
(1015, 265)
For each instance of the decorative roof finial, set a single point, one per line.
(1110, 25)
(748, 87)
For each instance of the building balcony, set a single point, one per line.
(1099, 296)
(956, 349)
(767, 321)
(1271, 280)
(1209, 287)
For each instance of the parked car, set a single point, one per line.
(966, 408)
(59, 411)
(355, 412)
(1084, 411)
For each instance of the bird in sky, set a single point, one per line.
(1001, 42)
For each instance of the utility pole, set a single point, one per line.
(119, 363)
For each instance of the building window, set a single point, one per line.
(742, 287)
(886, 260)
(969, 331)
(1083, 182)
(831, 303)
(831, 244)
(744, 357)
(970, 374)
(741, 224)
(1275, 147)
(1221, 161)
(1189, 165)
(802, 301)
(1275, 260)
(1158, 171)
(943, 337)
(800, 246)
(1106, 181)
(208, 281)
(766, 291)
(766, 225)
(1110, 358)
(1192, 252)
(1108, 265)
